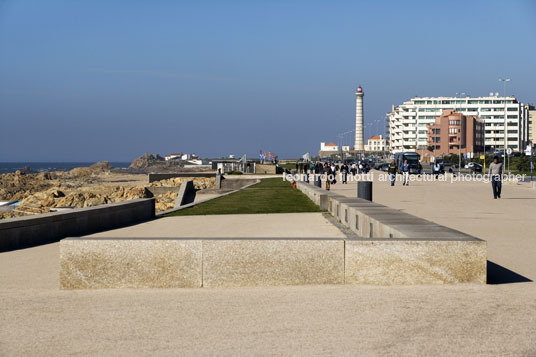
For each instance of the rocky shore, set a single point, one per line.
(83, 187)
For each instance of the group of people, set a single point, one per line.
(330, 170)
(495, 173)
(319, 167)
(393, 171)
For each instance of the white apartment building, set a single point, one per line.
(376, 143)
(408, 121)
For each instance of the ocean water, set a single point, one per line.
(6, 167)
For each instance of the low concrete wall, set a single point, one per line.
(272, 262)
(161, 190)
(316, 194)
(93, 263)
(267, 169)
(157, 177)
(411, 262)
(130, 263)
(45, 228)
(236, 183)
(398, 248)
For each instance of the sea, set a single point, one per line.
(7, 167)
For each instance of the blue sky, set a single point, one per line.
(104, 80)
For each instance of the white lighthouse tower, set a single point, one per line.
(359, 145)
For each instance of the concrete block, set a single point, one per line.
(130, 263)
(412, 262)
(186, 194)
(166, 176)
(272, 262)
(16, 233)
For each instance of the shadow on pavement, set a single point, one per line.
(500, 275)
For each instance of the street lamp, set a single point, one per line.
(342, 137)
(505, 146)
(459, 136)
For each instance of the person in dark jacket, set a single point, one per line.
(344, 173)
(328, 175)
(392, 172)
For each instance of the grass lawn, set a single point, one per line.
(271, 195)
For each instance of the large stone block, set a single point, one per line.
(45, 228)
(272, 262)
(130, 263)
(411, 262)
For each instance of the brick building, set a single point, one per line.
(454, 131)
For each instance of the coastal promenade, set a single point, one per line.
(477, 320)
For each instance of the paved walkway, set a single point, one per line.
(464, 320)
(507, 224)
(294, 225)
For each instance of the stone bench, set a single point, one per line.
(391, 240)
(94, 263)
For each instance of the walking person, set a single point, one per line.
(344, 173)
(392, 172)
(405, 173)
(495, 175)
(327, 174)
(437, 169)
(333, 169)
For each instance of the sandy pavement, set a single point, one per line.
(298, 225)
(464, 320)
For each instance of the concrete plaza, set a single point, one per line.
(451, 320)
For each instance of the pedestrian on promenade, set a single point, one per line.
(344, 173)
(392, 172)
(437, 169)
(333, 169)
(405, 173)
(495, 172)
(327, 174)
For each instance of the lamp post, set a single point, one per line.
(342, 137)
(459, 136)
(505, 146)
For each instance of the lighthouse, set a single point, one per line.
(359, 146)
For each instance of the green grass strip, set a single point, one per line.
(271, 195)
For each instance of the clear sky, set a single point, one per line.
(111, 80)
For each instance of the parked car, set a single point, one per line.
(476, 168)
(469, 165)
(382, 167)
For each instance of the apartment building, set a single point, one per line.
(452, 133)
(408, 122)
(376, 144)
(531, 124)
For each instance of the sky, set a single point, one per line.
(112, 80)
